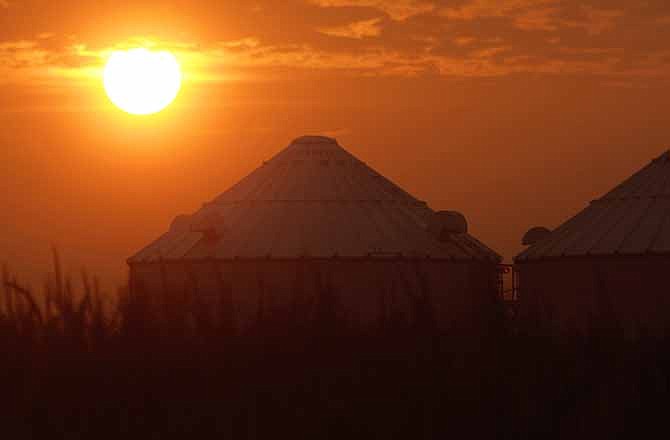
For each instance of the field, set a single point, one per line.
(77, 364)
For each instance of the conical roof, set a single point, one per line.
(631, 219)
(313, 199)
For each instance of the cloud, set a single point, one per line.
(29, 62)
(464, 41)
(475, 9)
(21, 54)
(357, 29)
(305, 57)
(595, 21)
(545, 15)
(543, 19)
(261, 39)
(396, 9)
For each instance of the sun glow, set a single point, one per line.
(142, 82)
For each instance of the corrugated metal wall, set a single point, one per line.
(463, 295)
(587, 294)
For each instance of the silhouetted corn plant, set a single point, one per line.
(74, 360)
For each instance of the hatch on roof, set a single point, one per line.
(534, 234)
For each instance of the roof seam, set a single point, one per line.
(635, 227)
(590, 223)
(562, 232)
(661, 225)
(615, 223)
(285, 208)
(633, 216)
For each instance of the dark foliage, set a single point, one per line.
(73, 366)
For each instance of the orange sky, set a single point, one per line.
(515, 112)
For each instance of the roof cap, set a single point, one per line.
(314, 140)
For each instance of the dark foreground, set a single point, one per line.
(70, 367)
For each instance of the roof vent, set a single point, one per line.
(534, 235)
(444, 223)
(211, 225)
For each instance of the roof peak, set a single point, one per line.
(315, 168)
(314, 140)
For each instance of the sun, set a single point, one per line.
(140, 81)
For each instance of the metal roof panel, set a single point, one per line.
(632, 219)
(315, 199)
